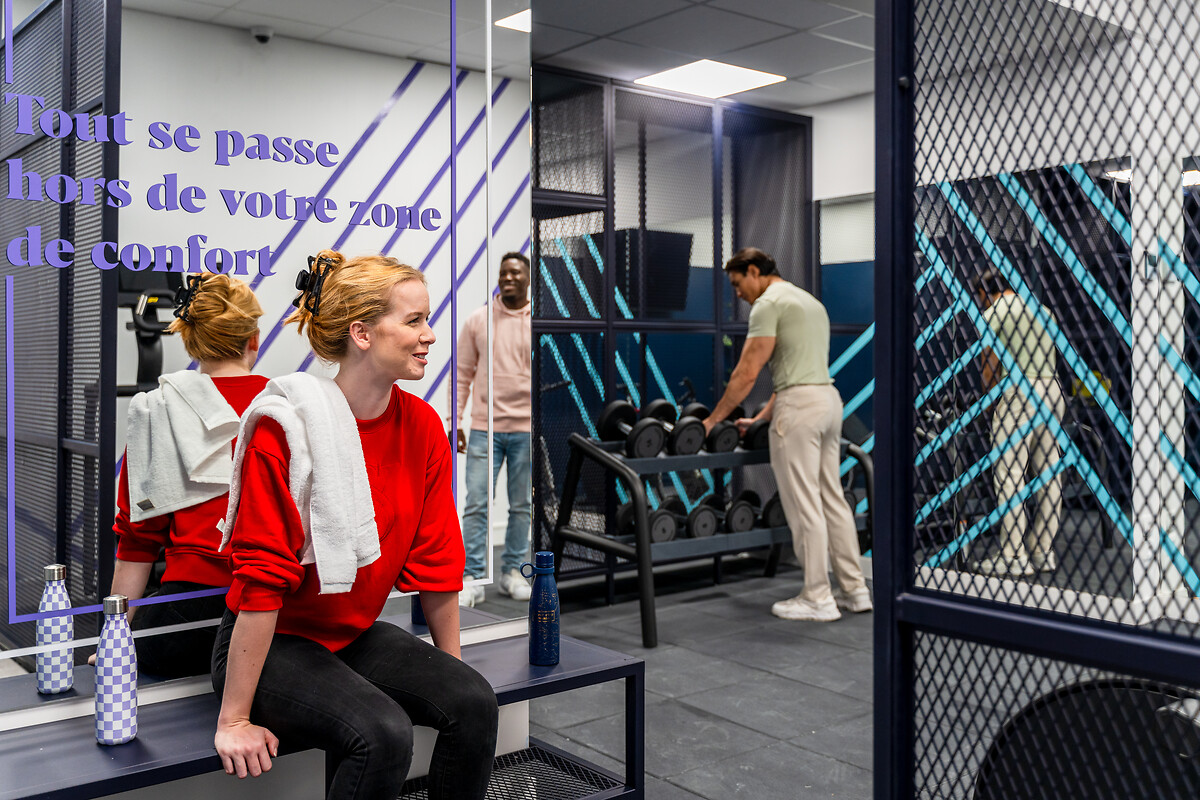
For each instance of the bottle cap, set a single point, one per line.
(543, 559)
(55, 572)
(116, 604)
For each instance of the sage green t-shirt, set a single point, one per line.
(800, 326)
(1016, 326)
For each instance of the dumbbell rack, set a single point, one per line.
(639, 548)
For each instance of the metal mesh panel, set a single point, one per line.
(663, 207)
(995, 724)
(570, 395)
(37, 71)
(569, 279)
(86, 331)
(87, 68)
(1056, 399)
(569, 152)
(531, 773)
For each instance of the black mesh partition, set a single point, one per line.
(569, 151)
(63, 344)
(1039, 295)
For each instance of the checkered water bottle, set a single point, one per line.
(55, 668)
(116, 675)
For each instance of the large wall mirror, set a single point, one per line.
(243, 136)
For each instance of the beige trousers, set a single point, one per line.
(806, 431)
(1027, 458)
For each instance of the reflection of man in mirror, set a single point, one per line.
(510, 403)
(1019, 427)
(174, 482)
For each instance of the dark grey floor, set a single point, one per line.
(738, 703)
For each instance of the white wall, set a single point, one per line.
(843, 147)
(218, 78)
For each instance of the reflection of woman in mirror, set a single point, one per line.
(322, 525)
(176, 472)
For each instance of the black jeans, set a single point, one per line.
(359, 705)
(177, 655)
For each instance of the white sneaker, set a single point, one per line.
(1000, 566)
(513, 584)
(470, 596)
(800, 609)
(1043, 563)
(856, 602)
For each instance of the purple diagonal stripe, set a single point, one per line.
(400, 159)
(380, 115)
(277, 328)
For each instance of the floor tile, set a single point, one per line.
(678, 738)
(850, 674)
(778, 707)
(680, 671)
(779, 772)
(850, 741)
(777, 648)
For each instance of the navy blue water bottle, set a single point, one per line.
(543, 610)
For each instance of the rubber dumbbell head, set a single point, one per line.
(684, 437)
(758, 435)
(723, 438)
(661, 520)
(644, 438)
(734, 518)
(701, 523)
(743, 510)
(772, 513)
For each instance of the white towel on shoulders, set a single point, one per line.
(177, 452)
(327, 475)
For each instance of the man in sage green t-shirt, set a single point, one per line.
(789, 330)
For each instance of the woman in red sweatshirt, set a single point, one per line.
(319, 670)
(217, 319)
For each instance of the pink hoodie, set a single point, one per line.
(513, 355)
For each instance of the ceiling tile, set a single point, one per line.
(184, 9)
(320, 13)
(788, 95)
(858, 78)
(507, 45)
(797, 55)
(859, 30)
(865, 6)
(372, 44)
(614, 59)
(468, 10)
(601, 18)
(284, 26)
(702, 32)
(405, 24)
(546, 40)
(801, 14)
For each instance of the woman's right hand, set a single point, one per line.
(245, 748)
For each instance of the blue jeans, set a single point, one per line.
(513, 447)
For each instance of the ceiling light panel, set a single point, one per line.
(707, 78)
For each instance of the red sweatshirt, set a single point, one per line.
(408, 466)
(190, 535)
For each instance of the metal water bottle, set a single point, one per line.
(543, 610)
(55, 668)
(116, 675)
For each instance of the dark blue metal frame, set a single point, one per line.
(901, 609)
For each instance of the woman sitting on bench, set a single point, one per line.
(177, 468)
(342, 491)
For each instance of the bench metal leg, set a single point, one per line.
(635, 732)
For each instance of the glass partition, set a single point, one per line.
(228, 143)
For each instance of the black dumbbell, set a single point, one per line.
(758, 435)
(662, 523)
(699, 524)
(723, 438)
(772, 515)
(738, 516)
(685, 437)
(644, 438)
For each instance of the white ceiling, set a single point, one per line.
(825, 48)
(416, 29)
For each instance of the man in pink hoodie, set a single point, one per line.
(511, 405)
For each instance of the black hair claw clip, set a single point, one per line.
(309, 283)
(184, 296)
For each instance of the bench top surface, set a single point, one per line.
(62, 759)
